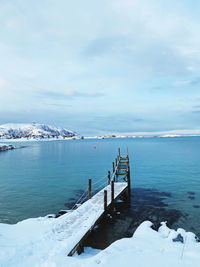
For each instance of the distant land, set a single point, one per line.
(37, 131)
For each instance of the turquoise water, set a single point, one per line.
(42, 177)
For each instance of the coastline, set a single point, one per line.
(12, 140)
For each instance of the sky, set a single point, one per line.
(101, 67)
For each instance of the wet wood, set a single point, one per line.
(89, 188)
(112, 191)
(108, 177)
(105, 200)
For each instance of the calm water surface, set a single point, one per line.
(45, 177)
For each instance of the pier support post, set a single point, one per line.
(127, 152)
(108, 177)
(119, 152)
(89, 188)
(116, 162)
(113, 169)
(128, 180)
(112, 192)
(105, 200)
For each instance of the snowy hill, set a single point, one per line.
(33, 131)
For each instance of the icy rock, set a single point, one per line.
(179, 238)
(4, 147)
(61, 212)
(51, 216)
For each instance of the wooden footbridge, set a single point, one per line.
(77, 225)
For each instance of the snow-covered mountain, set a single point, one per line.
(33, 131)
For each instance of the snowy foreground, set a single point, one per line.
(33, 131)
(37, 242)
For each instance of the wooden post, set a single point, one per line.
(112, 191)
(116, 162)
(119, 152)
(128, 180)
(113, 167)
(108, 177)
(105, 200)
(89, 188)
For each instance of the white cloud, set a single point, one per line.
(2, 82)
(180, 83)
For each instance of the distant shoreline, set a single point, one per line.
(13, 140)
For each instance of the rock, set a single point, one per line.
(61, 212)
(192, 198)
(197, 238)
(179, 238)
(196, 206)
(51, 216)
(76, 206)
(6, 147)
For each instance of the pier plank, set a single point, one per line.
(75, 226)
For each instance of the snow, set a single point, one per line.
(33, 131)
(170, 135)
(47, 241)
(36, 242)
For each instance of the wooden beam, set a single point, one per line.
(119, 152)
(121, 173)
(129, 180)
(123, 158)
(112, 192)
(113, 167)
(105, 200)
(89, 188)
(108, 177)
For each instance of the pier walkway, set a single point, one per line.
(74, 227)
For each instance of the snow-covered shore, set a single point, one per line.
(36, 242)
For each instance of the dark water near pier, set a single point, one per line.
(45, 177)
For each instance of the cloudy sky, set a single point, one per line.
(109, 66)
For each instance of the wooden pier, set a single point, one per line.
(78, 224)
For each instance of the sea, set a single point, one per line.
(42, 178)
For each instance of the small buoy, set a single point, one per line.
(95, 147)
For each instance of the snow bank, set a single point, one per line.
(33, 131)
(35, 242)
